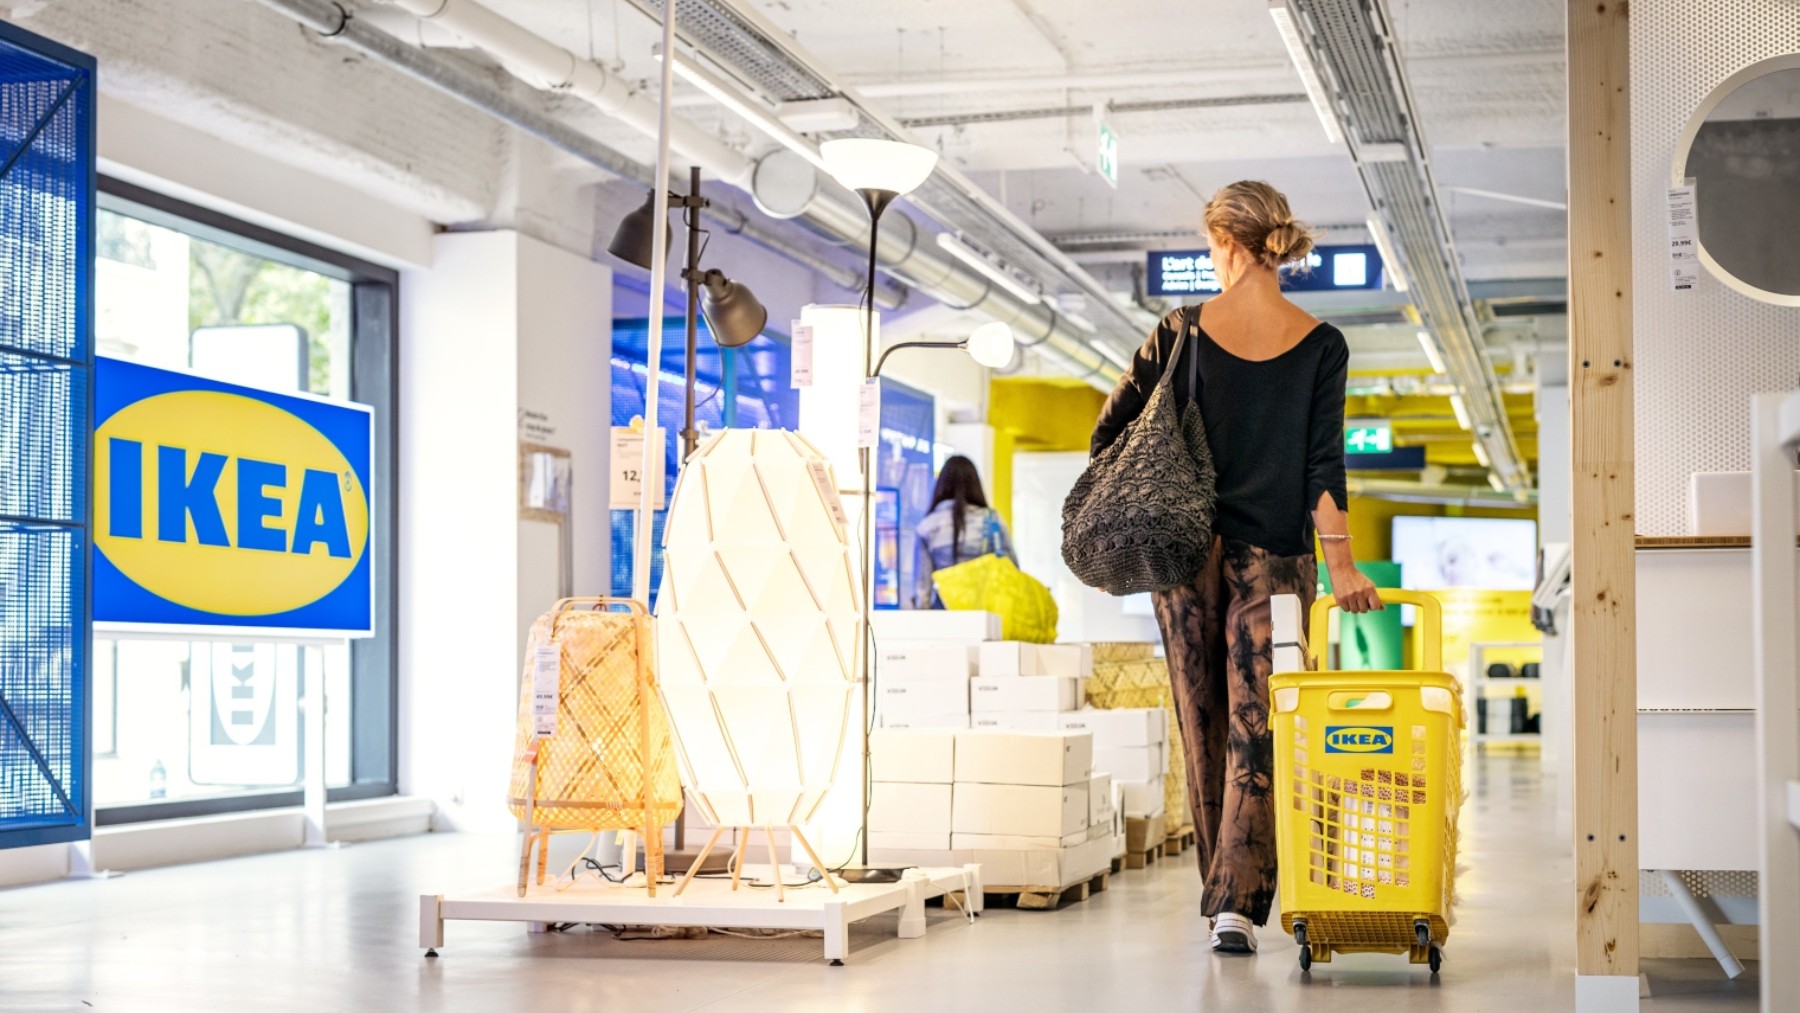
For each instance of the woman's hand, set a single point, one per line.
(1355, 592)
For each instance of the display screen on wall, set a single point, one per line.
(1486, 553)
(229, 508)
(1327, 269)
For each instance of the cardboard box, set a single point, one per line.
(1039, 868)
(1011, 658)
(1100, 801)
(921, 661)
(1119, 729)
(1049, 759)
(1023, 693)
(909, 808)
(903, 697)
(1024, 721)
(1142, 798)
(1136, 763)
(914, 722)
(1002, 842)
(885, 841)
(911, 755)
(1719, 503)
(1018, 810)
(942, 625)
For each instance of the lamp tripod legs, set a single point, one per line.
(694, 869)
(737, 858)
(775, 865)
(824, 873)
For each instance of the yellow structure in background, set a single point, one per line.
(1043, 415)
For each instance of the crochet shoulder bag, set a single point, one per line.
(1140, 518)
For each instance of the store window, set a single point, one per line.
(743, 388)
(904, 482)
(190, 726)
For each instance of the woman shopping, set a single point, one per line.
(1269, 382)
(960, 527)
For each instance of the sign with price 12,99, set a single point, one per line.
(628, 468)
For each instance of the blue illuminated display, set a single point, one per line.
(1327, 269)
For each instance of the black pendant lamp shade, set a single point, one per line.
(635, 239)
(731, 310)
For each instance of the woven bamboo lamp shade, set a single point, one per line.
(609, 764)
(757, 626)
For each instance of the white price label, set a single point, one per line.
(821, 476)
(801, 349)
(1684, 240)
(628, 468)
(868, 416)
(546, 681)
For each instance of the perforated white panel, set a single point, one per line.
(1699, 356)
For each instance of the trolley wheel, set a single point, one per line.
(1305, 950)
(1437, 958)
(1422, 929)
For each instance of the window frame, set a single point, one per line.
(375, 381)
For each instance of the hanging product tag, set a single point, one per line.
(1684, 239)
(868, 419)
(821, 476)
(801, 348)
(546, 680)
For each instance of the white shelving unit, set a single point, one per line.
(1775, 437)
(1478, 683)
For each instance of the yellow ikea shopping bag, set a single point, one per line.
(994, 584)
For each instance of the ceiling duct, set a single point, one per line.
(768, 62)
(1350, 45)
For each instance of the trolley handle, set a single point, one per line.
(1428, 629)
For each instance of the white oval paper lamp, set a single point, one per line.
(991, 344)
(758, 620)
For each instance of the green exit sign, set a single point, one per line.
(1108, 156)
(1368, 438)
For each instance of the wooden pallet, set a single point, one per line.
(1046, 898)
(1179, 840)
(1145, 840)
(1146, 858)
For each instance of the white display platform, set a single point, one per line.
(710, 903)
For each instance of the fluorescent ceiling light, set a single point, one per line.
(1112, 354)
(1481, 454)
(961, 251)
(1390, 264)
(1286, 24)
(732, 98)
(1080, 321)
(1496, 481)
(1432, 355)
(1462, 411)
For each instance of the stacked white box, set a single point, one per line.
(1012, 658)
(1134, 763)
(1023, 693)
(1119, 729)
(924, 659)
(1100, 806)
(1050, 759)
(912, 757)
(910, 799)
(1142, 799)
(934, 625)
(922, 703)
(1018, 721)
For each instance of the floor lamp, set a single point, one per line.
(880, 171)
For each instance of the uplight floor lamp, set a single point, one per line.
(881, 171)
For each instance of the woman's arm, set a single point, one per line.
(1003, 540)
(1325, 484)
(1127, 399)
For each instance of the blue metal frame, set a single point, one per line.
(76, 822)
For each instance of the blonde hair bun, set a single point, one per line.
(1256, 216)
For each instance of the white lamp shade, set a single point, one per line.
(991, 344)
(866, 163)
(757, 627)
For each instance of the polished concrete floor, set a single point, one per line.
(338, 931)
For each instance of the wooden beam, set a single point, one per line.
(1603, 490)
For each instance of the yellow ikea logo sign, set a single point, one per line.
(226, 504)
(1359, 739)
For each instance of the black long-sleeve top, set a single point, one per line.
(1276, 426)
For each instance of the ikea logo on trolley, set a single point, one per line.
(1359, 739)
(224, 506)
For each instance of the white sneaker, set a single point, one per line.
(1233, 933)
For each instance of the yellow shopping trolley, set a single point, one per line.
(1368, 782)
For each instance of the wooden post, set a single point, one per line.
(1604, 498)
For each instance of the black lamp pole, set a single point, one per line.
(690, 209)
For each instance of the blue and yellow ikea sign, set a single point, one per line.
(225, 506)
(1359, 739)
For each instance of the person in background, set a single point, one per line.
(960, 527)
(1271, 390)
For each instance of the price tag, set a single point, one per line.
(1684, 240)
(801, 349)
(821, 476)
(628, 468)
(546, 682)
(868, 417)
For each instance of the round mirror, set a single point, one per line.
(1741, 149)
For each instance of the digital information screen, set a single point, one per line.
(1327, 269)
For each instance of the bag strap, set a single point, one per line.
(1174, 357)
(1194, 359)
